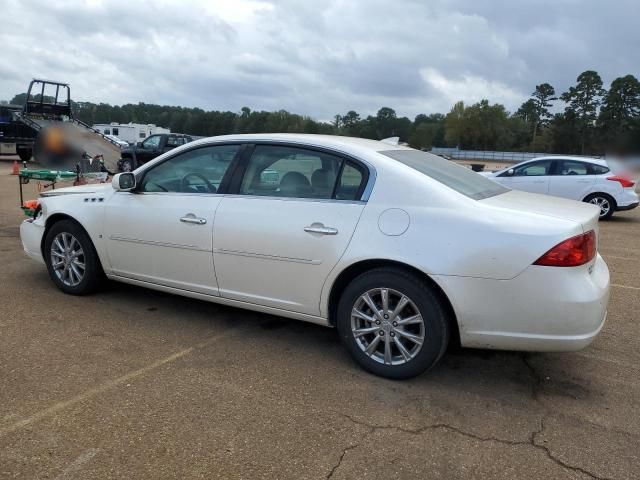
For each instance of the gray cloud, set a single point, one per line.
(317, 58)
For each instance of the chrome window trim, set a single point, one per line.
(294, 199)
(187, 194)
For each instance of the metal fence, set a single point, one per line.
(507, 157)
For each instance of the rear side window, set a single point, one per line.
(283, 171)
(350, 183)
(452, 175)
(597, 169)
(570, 167)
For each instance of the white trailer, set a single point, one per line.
(130, 132)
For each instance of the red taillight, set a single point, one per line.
(624, 181)
(573, 252)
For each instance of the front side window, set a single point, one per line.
(533, 169)
(196, 171)
(570, 167)
(281, 171)
(107, 131)
(141, 135)
(151, 142)
(448, 173)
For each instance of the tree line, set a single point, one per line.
(586, 119)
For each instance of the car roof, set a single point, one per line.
(598, 161)
(349, 145)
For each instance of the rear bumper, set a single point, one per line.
(622, 208)
(627, 200)
(31, 232)
(543, 309)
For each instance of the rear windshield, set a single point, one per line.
(460, 179)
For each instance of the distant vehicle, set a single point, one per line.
(130, 132)
(399, 249)
(16, 138)
(153, 146)
(120, 142)
(584, 179)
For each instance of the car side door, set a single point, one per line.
(171, 142)
(529, 177)
(291, 218)
(161, 233)
(573, 180)
(149, 149)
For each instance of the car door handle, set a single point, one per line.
(191, 218)
(539, 181)
(321, 229)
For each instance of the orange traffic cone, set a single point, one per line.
(16, 168)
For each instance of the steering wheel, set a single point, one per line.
(185, 185)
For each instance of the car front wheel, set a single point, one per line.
(392, 323)
(71, 259)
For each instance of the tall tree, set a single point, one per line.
(619, 119)
(453, 124)
(541, 99)
(583, 100)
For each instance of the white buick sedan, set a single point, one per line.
(400, 250)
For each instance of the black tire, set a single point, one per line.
(425, 300)
(93, 273)
(25, 154)
(602, 199)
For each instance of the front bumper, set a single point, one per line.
(31, 232)
(542, 309)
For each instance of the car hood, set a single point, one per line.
(585, 214)
(92, 188)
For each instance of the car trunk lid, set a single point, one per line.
(583, 213)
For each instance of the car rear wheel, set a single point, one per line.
(392, 323)
(605, 202)
(71, 259)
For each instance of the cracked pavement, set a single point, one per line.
(131, 383)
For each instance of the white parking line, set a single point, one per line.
(83, 458)
(92, 392)
(622, 258)
(625, 286)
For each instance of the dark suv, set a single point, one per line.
(150, 148)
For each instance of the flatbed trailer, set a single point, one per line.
(48, 105)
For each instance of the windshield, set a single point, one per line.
(454, 176)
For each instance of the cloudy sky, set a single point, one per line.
(318, 57)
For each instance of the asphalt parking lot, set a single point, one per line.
(131, 383)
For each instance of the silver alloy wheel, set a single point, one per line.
(387, 326)
(603, 203)
(67, 259)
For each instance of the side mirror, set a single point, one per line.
(124, 182)
(510, 172)
(139, 144)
